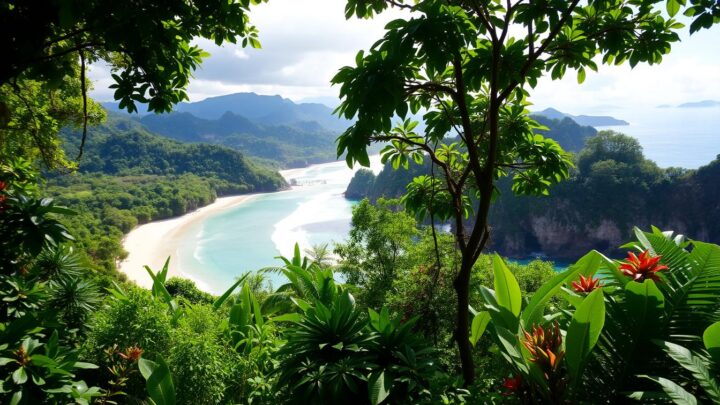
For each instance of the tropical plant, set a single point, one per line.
(656, 304)
(74, 299)
(39, 372)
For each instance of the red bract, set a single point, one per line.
(3, 185)
(544, 346)
(586, 284)
(643, 267)
(132, 353)
(512, 384)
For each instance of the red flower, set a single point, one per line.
(132, 353)
(3, 185)
(586, 284)
(512, 384)
(544, 346)
(643, 267)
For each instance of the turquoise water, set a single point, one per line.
(249, 236)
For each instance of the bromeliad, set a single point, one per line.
(642, 267)
(586, 284)
(545, 347)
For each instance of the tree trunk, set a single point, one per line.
(462, 332)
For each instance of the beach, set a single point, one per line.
(152, 243)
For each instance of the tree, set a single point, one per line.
(469, 65)
(48, 45)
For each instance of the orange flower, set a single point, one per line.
(643, 267)
(132, 353)
(586, 284)
(544, 346)
(512, 384)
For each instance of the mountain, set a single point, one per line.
(296, 145)
(591, 120)
(261, 109)
(700, 104)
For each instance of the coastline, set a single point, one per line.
(150, 244)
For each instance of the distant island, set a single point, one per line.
(590, 120)
(700, 104)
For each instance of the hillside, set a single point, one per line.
(288, 145)
(591, 120)
(121, 146)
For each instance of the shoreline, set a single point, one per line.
(151, 243)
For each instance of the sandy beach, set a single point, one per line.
(150, 244)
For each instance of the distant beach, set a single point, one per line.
(152, 243)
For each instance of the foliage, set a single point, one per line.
(613, 332)
(43, 42)
(136, 319)
(378, 243)
(33, 115)
(182, 287)
(333, 355)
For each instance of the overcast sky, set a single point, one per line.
(306, 42)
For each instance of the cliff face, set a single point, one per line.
(567, 224)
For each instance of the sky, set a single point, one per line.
(306, 42)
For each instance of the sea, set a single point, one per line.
(251, 236)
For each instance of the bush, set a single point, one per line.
(182, 287)
(135, 320)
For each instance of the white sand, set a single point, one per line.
(150, 244)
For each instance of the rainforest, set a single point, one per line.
(410, 222)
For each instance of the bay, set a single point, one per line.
(251, 235)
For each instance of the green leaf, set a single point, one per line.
(676, 393)
(673, 7)
(583, 333)
(479, 324)
(19, 376)
(644, 303)
(218, 302)
(159, 381)
(696, 365)
(507, 289)
(379, 388)
(711, 338)
(587, 265)
(291, 317)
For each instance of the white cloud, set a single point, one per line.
(306, 42)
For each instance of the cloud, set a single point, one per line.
(304, 43)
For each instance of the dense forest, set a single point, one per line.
(400, 312)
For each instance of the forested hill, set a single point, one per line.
(613, 188)
(121, 146)
(296, 145)
(267, 127)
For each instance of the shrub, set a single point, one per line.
(182, 287)
(133, 320)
